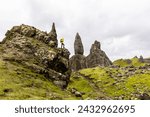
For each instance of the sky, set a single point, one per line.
(121, 26)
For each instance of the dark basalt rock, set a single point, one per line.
(77, 61)
(78, 46)
(97, 57)
(53, 36)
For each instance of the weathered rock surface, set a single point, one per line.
(53, 36)
(78, 46)
(37, 50)
(97, 57)
(77, 61)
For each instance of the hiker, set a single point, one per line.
(62, 43)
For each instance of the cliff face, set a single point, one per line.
(97, 57)
(37, 50)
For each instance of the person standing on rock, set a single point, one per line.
(62, 43)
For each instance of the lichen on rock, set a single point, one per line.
(38, 51)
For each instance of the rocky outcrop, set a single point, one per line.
(53, 36)
(37, 50)
(77, 61)
(97, 57)
(78, 46)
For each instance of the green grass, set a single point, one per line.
(140, 83)
(124, 62)
(113, 87)
(81, 84)
(17, 82)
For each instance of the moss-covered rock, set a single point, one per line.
(29, 47)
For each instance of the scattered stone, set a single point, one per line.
(7, 90)
(144, 96)
(76, 92)
(61, 84)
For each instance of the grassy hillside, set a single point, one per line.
(112, 83)
(128, 82)
(18, 82)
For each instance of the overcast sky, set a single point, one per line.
(122, 26)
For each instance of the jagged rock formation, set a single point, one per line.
(78, 46)
(77, 61)
(37, 50)
(97, 57)
(53, 36)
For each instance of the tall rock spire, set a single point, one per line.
(53, 28)
(53, 35)
(78, 46)
(77, 61)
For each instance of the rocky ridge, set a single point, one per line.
(38, 51)
(97, 57)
